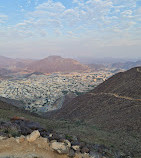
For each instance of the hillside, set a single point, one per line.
(95, 117)
(126, 84)
(113, 105)
(53, 64)
(13, 102)
(54, 138)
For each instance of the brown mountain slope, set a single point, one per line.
(105, 107)
(104, 111)
(56, 64)
(124, 83)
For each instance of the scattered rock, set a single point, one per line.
(68, 144)
(61, 148)
(76, 147)
(33, 136)
(50, 135)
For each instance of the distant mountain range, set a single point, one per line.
(50, 64)
(14, 64)
(113, 105)
(126, 65)
(54, 64)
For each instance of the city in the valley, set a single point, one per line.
(41, 93)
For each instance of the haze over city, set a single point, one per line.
(92, 28)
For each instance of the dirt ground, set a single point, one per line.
(10, 148)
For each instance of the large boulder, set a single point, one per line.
(33, 136)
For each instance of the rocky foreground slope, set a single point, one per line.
(21, 138)
(34, 146)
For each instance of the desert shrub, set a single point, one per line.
(9, 130)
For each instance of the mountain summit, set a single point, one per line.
(56, 64)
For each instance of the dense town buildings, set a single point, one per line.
(40, 92)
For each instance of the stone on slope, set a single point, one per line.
(33, 136)
(61, 148)
(76, 147)
(67, 142)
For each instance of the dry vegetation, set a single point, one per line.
(116, 140)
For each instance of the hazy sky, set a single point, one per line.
(71, 28)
